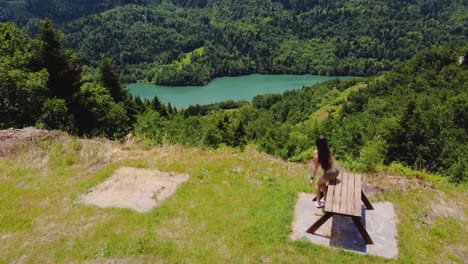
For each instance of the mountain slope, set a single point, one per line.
(24, 11)
(240, 37)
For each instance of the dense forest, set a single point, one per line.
(183, 42)
(415, 114)
(67, 73)
(29, 12)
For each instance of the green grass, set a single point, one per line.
(236, 207)
(188, 58)
(332, 106)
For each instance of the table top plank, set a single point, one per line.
(345, 197)
(357, 196)
(330, 197)
(337, 195)
(344, 193)
(350, 197)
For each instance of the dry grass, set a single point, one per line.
(236, 207)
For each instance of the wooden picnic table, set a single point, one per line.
(344, 197)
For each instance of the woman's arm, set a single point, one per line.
(314, 166)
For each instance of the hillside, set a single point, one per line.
(27, 12)
(356, 38)
(236, 206)
(414, 115)
(240, 165)
(148, 40)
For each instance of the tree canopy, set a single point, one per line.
(159, 41)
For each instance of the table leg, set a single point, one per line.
(319, 223)
(366, 201)
(362, 229)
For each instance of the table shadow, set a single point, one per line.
(345, 234)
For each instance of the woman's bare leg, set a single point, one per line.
(320, 187)
(325, 190)
(317, 191)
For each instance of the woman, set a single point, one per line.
(324, 158)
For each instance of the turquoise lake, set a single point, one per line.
(225, 88)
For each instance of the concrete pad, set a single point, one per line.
(137, 189)
(340, 231)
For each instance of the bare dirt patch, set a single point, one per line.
(382, 183)
(13, 140)
(137, 189)
(446, 209)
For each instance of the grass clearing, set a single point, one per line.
(236, 207)
(188, 58)
(332, 106)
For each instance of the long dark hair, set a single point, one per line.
(324, 156)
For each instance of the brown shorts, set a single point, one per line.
(332, 172)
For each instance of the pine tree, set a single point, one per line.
(110, 80)
(63, 68)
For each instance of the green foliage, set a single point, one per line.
(21, 97)
(22, 89)
(62, 66)
(414, 115)
(411, 110)
(110, 80)
(373, 154)
(150, 126)
(40, 85)
(24, 12)
(99, 114)
(55, 115)
(160, 42)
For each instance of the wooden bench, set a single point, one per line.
(344, 197)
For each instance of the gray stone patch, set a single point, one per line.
(133, 188)
(340, 231)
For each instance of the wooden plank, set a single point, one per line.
(350, 197)
(319, 223)
(344, 194)
(357, 196)
(329, 198)
(337, 195)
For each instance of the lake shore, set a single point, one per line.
(240, 88)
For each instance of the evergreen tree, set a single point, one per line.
(239, 135)
(63, 68)
(110, 80)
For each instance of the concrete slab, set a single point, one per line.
(134, 188)
(340, 231)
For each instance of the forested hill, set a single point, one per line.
(415, 114)
(156, 42)
(29, 12)
(190, 42)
